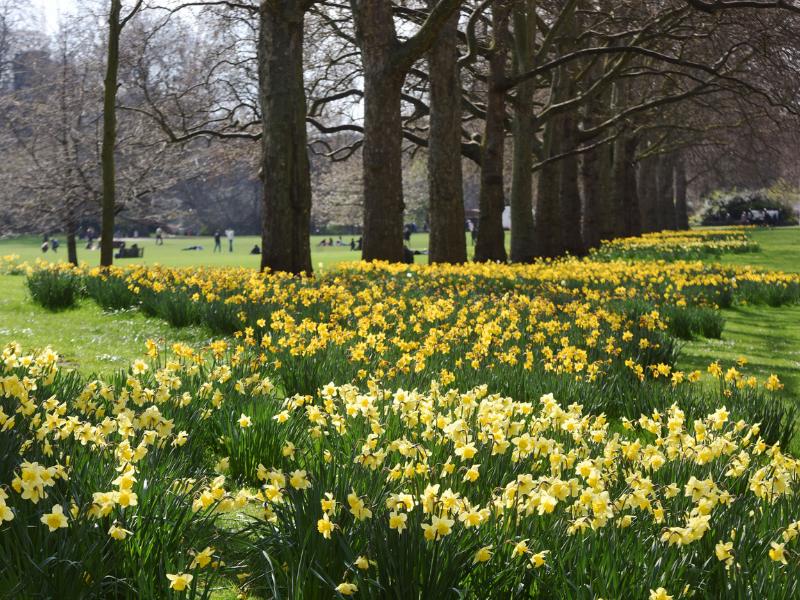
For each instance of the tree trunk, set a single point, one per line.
(490, 245)
(72, 244)
(594, 173)
(383, 175)
(627, 220)
(548, 209)
(666, 192)
(569, 192)
(569, 195)
(523, 235)
(591, 183)
(648, 192)
(633, 222)
(286, 176)
(386, 61)
(681, 208)
(606, 208)
(110, 135)
(382, 149)
(68, 195)
(447, 242)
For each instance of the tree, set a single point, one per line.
(386, 61)
(445, 179)
(116, 24)
(285, 168)
(490, 245)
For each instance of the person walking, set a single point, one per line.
(159, 236)
(229, 235)
(217, 241)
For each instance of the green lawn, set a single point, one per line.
(172, 253)
(780, 250)
(85, 336)
(768, 337)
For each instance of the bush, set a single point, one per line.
(747, 206)
(111, 293)
(688, 322)
(54, 289)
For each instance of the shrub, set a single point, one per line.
(736, 206)
(54, 289)
(112, 293)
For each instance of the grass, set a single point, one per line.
(88, 339)
(172, 253)
(780, 250)
(769, 338)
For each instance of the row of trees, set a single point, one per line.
(591, 118)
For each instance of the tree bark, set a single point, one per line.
(591, 183)
(286, 175)
(107, 155)
(569, 192)
(595, 167)
(633, 221)
(72, 244)
(447, 242)
(648, 192)
(681, 208)
(548, 209)
(523, 236)
(666, 192)
(490, 245)
(627, 218)
(386, 61)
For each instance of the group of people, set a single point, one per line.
(330, 243)
(218, 240)
(49, 243)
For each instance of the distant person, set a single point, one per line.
(229, 235)
(360, 243)
(54, 244)
(352, 244)
(159, 236)
(45, 247)
(135, 233)
(255, 250)
(408, 255)
(322, 243)
(193, 248)
(407, 231)
(473, 233)
(217, 241)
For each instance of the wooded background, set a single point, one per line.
(591, 119)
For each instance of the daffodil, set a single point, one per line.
(179, 581)
(55, 519)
